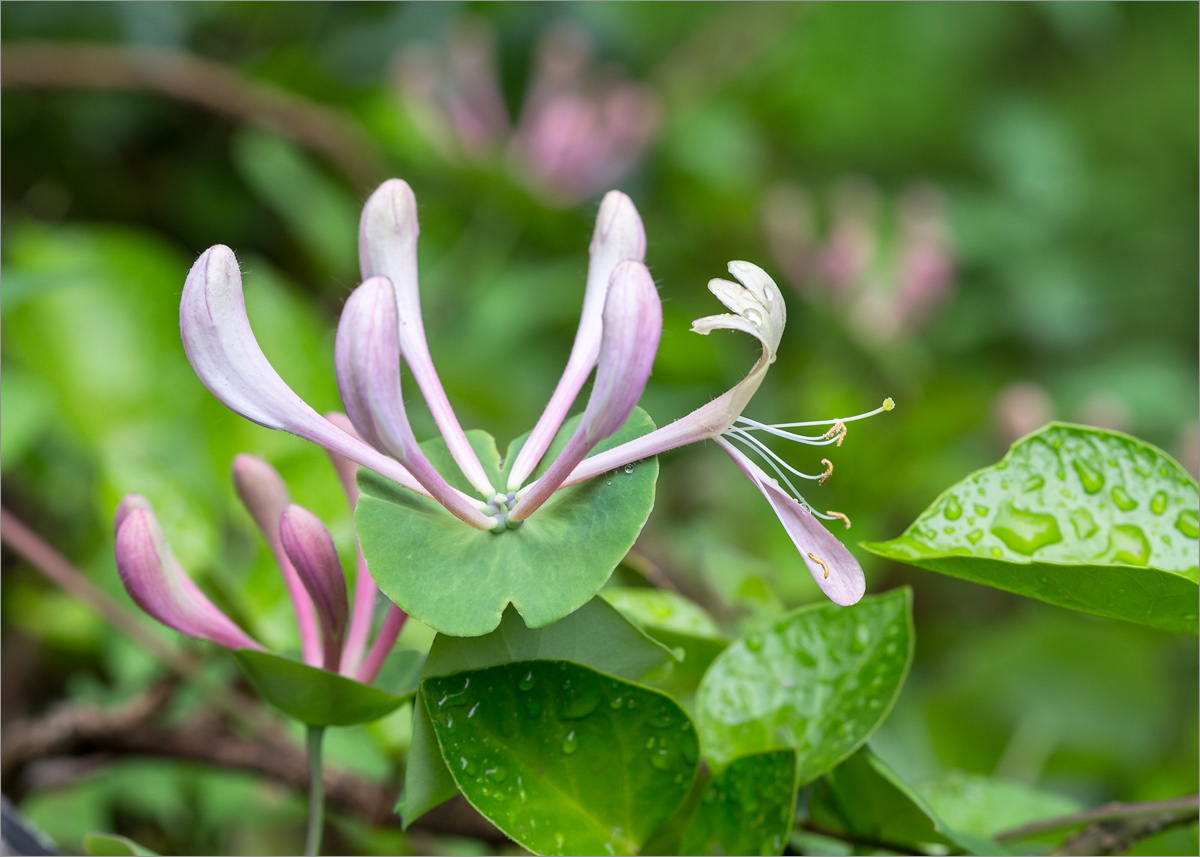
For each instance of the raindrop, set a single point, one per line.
(1158, 503)
(650, 743)
(661, 759)
(570, 744)
(617, 702)
(1188, 523)
(1091, 478)
(953, 509)
(875, 704)
(662, 720)
(468, 767)
(448, 722)
(1025, 532)
(527, 682)
(1033, 483)
(608, 482)
(580, 707)
(497, 774)
(1128, 544)
(974, 536)
(997, 553)
(981, 510)
(1084, 524)
(628, 468)
(1124, 502)
(862, 636)
(754, 642)
(474, 708)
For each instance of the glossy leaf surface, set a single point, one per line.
(1086, 519)
(458, 580)
(746, 808)
(986, 806)
(864, 798)
(677, 623)
(820, 680)
(314, 696)
(596, 635)
(111, 845)
(564, 759)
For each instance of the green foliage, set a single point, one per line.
(562, 758)
(314, 696)
(1086, 519)
(595, 635)
(746, 808)
(820, 680)
(111, 845)
(458, 580)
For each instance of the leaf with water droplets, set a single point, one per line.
(746, 808)
(820, 680)
(596, 634)
(1108, 527)
(579, 778)
(458, 580)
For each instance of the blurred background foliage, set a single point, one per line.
(988, 212)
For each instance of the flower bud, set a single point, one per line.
(310, 548)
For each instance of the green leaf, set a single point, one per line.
(747, 808)
(820, 680)
(562, 758)
(111, 845)
(314, 696)
(986, 806)
(458, 580)
(677, 623)
(866, 799)
(596, 635)
(1091, 520)
(27, 411)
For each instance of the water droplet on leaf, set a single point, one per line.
(1025, 532)
(1158, 503)
(953, 509)
(1188, 523)
(570, 744)
(1091, 479)
(1124, 502)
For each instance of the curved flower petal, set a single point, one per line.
(365, 589)
(227, 359)
(832, 566)
(387, 247)
(618, 236)
(310, 548)
(264, 495)
(159, 585)
(367, 355)
(758, 309)
(632, 327)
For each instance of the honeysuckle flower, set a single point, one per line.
(158, 584)
(381, 323)
(310, 548)
(306, 556)
(618, 336)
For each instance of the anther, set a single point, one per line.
(838, 429)
(841, 515)
(828, 471)
(821, 563)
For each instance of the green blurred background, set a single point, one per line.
(1033, 166)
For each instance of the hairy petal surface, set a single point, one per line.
(632, 326)
(159, 585)
(227, 359)
(367, 356)
(387, 247)
(618, 236)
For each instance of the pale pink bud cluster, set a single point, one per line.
(582, 127)
(307, 559)
(888, 280)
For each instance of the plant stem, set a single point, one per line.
(316, 792)
(1182, 806)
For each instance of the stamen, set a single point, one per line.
(821, 563)
(887, 405)
(838, 430)
(758, 443)
(828, 471)
(842, 516)
(747, 424)
(744, 439)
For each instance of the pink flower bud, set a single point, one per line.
(310, 548)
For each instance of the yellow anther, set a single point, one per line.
(839, 429)
(845, 519)
(821, 563)
(888, 404)
(828, 471)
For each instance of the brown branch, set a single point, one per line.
(1180, 806)
(78, 738)
(26, 543)
(200, 81)
(1117, 837)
